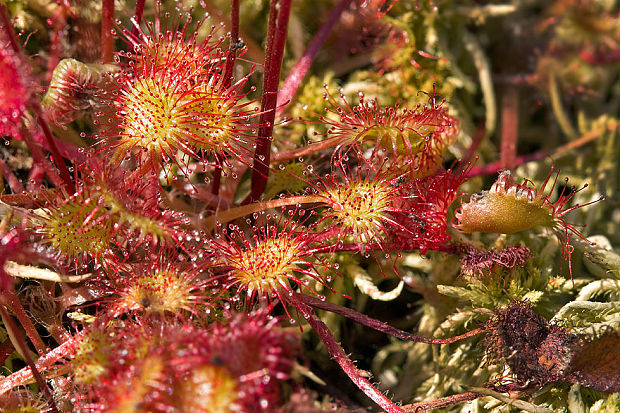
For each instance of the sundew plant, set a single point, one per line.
(309, 206)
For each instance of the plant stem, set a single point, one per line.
(39, 158)
(494, 167)
(279, 13)
(16, 306)
(24, 375)
(379, 325)
(558, 109)
(510, 127)
(138, 16)
(292, 82)
(447, 401)
(58, 159)
(306, 150)
(64, 172)
(477, 139)
(519, 404)
(234, 38)
(243, 210)
(11, 179)
(338, 353)
(228, 78)
(57, 38)
(107, 24)
(6, 349)
(25, 352)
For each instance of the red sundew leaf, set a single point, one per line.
(596, 363)
(510, 207)
(14, 90)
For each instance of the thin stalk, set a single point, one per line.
(228, 78)
(39, 158)
(13, 303)
(519, 404)
(138, 16)
(11, 179)
(8, 28)
(234, 38)
(19, 343)
(22, 376)
(494, 167)
(510, 127)
(292, 82)
(64, 172)
(279, 13)
(217, 180)
(339, 355)
(558, 109)
(57, 38)
(35, 178)
(306, 150)
(447, 401)
(254, 52)
(58, 159)
(6, 349)
(380, 325)
(243, 210)
(107, 24)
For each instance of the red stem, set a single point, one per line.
(478, 137)
(64, 172)
(279, 14)
(11, 179)
(494, 167)
(510, 127)
(6, 349)
(24, 375)
(338, 354)
(25, 352)
(58, 24)
(107, 24)
(232, 48)
(138, 16)
(292, 82)
(35, 178)
(8, 29)
(228, 78)
(57, 158)
(16, 306)
(39, 158)
(379, 325)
